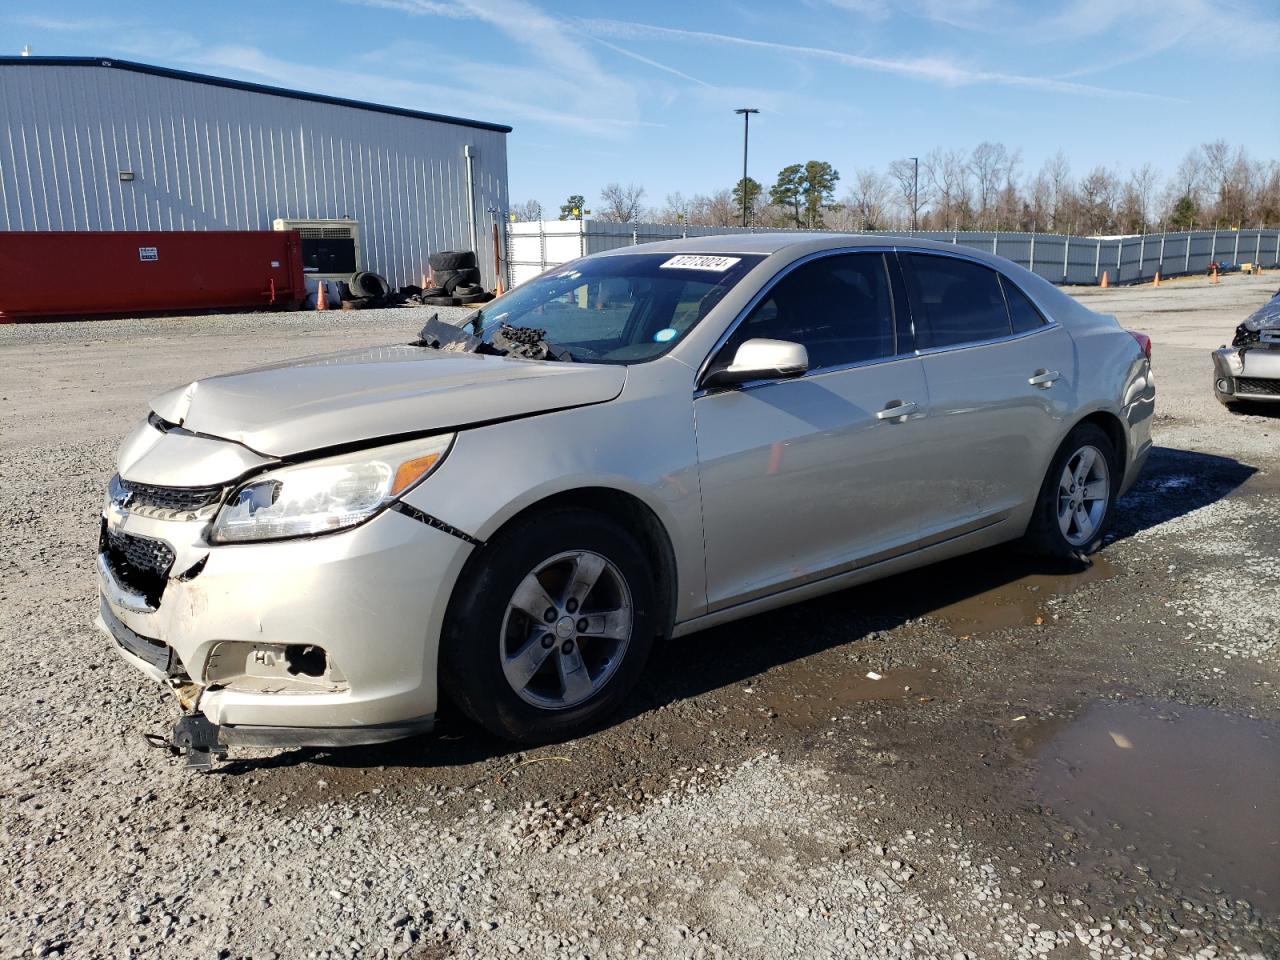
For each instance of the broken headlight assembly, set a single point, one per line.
(323, 496)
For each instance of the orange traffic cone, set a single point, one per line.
(1104, 280)
(1215, 273)
(322, 297)
(1156, 281)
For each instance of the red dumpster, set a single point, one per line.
(73, 273)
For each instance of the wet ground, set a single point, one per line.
(1194, 791)
(1078, 761)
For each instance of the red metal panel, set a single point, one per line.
(69, 274)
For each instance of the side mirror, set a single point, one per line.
(761, 359)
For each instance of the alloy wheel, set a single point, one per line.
(566, 630)
(1084, 493)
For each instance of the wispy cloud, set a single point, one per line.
(415, 8)
(653, 63)
(930, 69)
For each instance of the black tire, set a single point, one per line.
(471, 647)
(469, 298)
(434, 292)
(452, 279)
(451, 260)
(467, 289)
(1044, 535)
(368, 284)
(442, 301)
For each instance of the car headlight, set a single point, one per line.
(322, 496)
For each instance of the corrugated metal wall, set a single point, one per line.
(215, 158)
(534, 246)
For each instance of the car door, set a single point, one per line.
(1000, 381)
(804, 477)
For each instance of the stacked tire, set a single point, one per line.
(456, 279)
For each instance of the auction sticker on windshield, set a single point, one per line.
(688, 261)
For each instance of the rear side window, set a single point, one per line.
(961, 300)
(1021, 310)
(839, 307)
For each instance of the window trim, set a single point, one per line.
(884, 252)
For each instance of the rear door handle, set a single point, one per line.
(1044, 378)
(896, 409)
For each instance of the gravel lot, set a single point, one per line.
(1065, 763)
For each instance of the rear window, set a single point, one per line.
(1022, 312)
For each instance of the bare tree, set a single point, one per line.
(991, 165)
(528, 210)
(1098, 194)
(1057, 172)
(1039, 202)
(620, 204)
(912, 190)
(948, 174)
(720, 209)
(867, 200)
(676, 209)
(1141, 189)
(1187, 183)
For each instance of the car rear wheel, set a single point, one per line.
(1074, 508)
(550, 628)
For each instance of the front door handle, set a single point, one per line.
(1044, 378)
(896, 410)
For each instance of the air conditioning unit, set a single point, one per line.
(330, 248)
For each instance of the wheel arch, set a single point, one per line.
(628, 511)
(1110, 424)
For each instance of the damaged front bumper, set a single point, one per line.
(1249, 372)
(324, 641)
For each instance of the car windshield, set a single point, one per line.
(618, 309)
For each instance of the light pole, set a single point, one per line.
(915, 191)
(746, 127)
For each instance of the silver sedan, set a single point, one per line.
(637, 445)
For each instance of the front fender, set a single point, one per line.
(641, 444)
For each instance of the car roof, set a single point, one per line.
(791, 241)
(781, 248)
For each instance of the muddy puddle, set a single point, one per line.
(1188, 794)
(814, 694)
(1020, 602)
(991, 590)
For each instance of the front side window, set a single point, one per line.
(838, 307)
(961, 300)
(619, 309)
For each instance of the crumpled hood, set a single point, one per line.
(1266, 316)
(324, 401)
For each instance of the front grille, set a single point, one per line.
(1257, 385)
(169, 498)
(139, 563)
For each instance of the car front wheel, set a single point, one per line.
(1074, 508)
(550, 626)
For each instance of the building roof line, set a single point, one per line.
(245, 85)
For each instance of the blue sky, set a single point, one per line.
(644, 92)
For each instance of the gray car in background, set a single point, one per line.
(633, 446)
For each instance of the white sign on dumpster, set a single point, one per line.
(147, 254)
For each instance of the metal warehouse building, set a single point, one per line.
(94, 144)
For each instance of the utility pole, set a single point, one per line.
(915, 191)
(746, 127)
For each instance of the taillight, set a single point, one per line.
(1143, 341)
